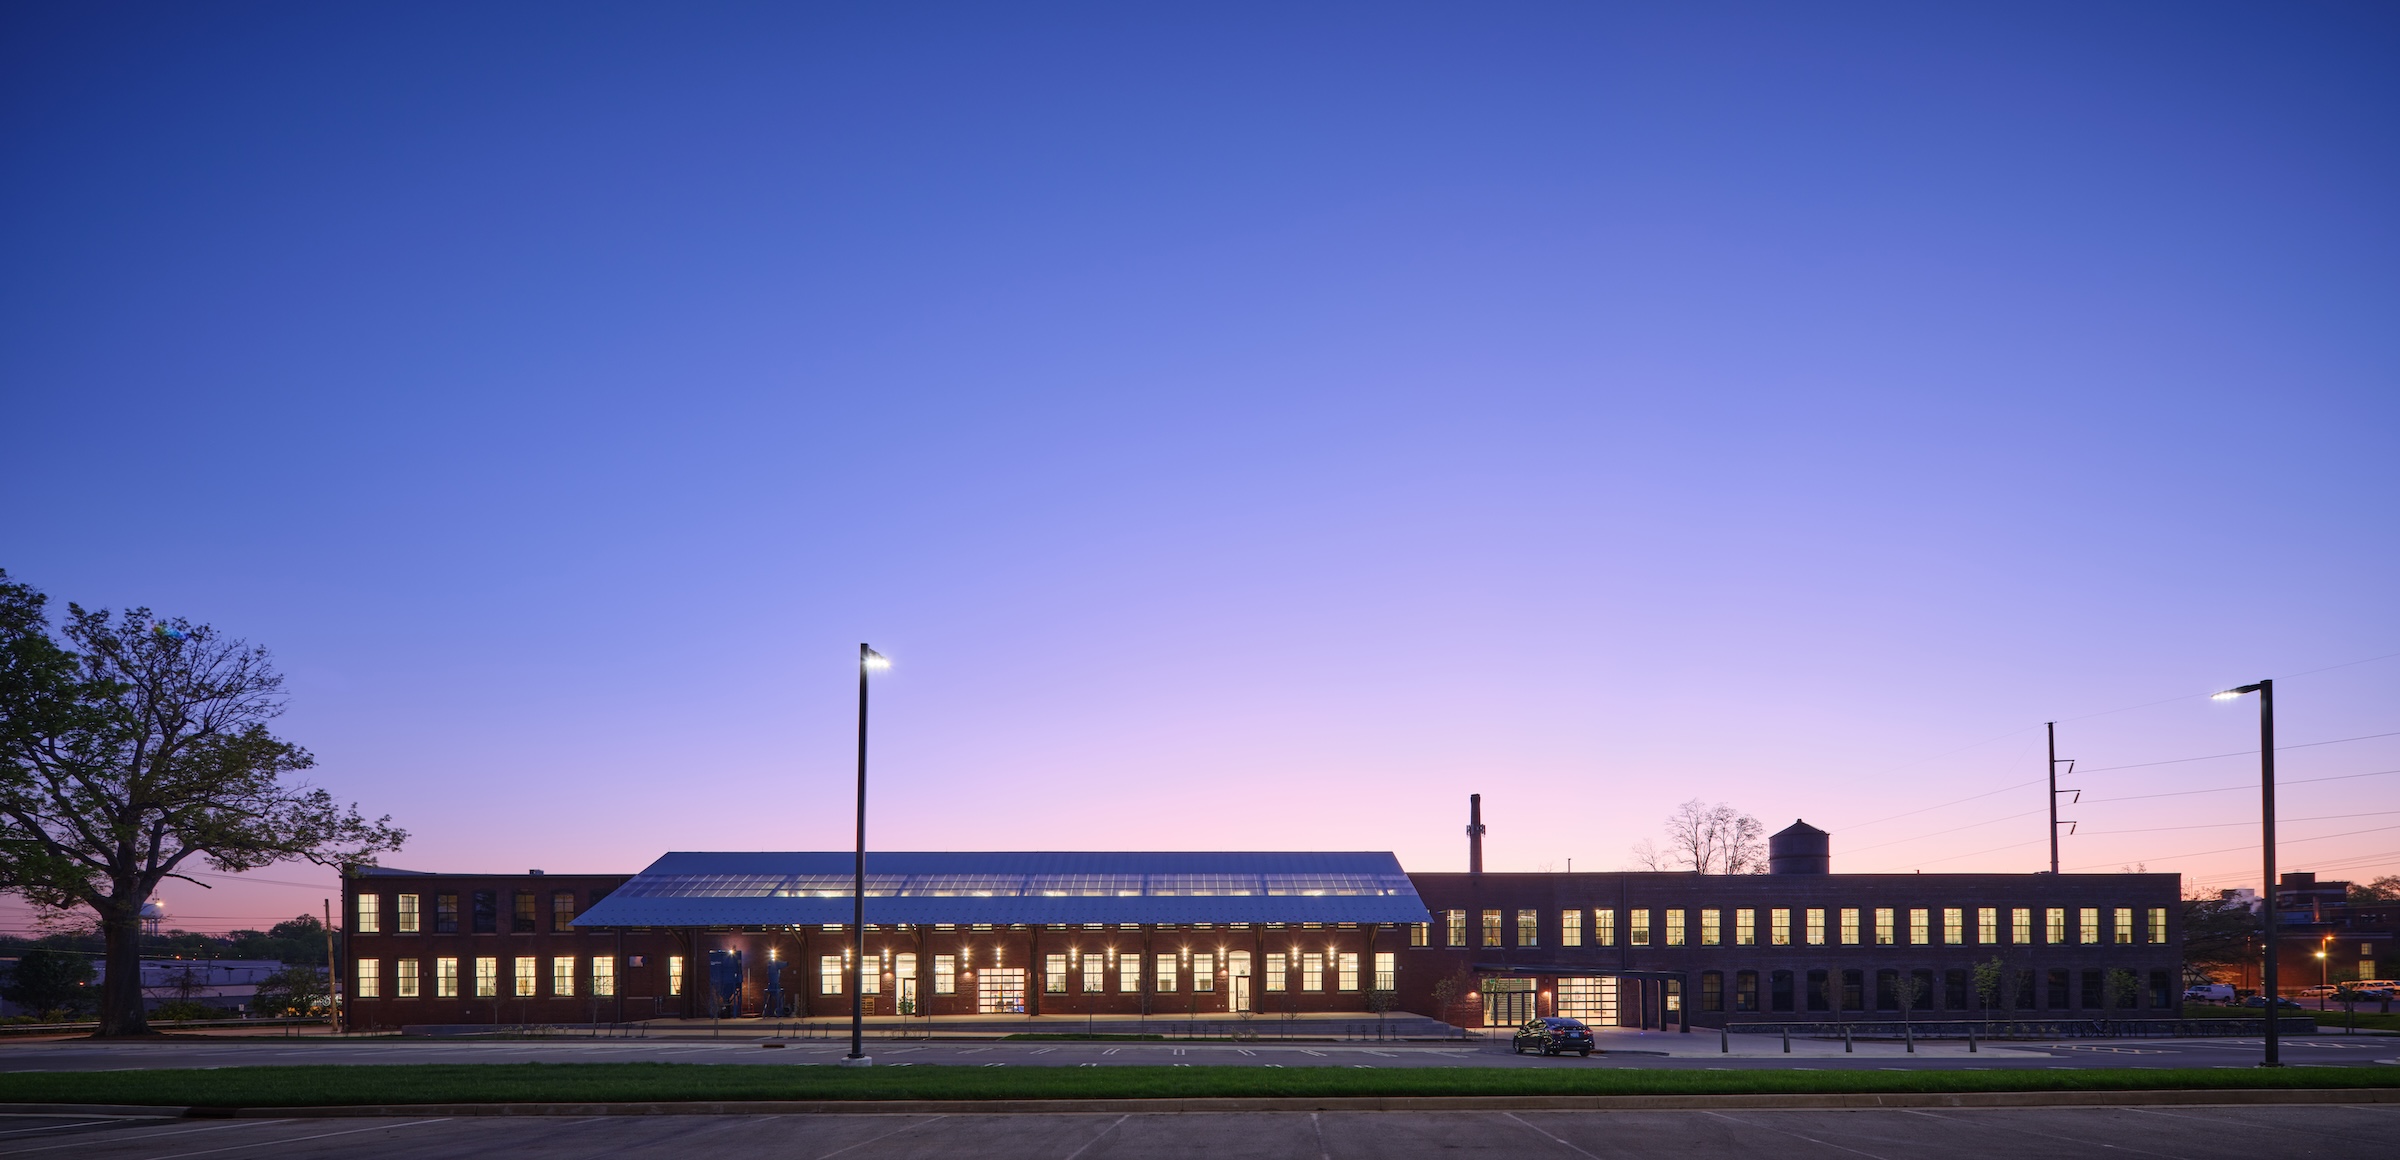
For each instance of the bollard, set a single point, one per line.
(1787, 1040)
(1970, 1041)
(1724, 1041)
(1846, 1039)
(1910, 1029)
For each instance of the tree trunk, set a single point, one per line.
(121, 1011)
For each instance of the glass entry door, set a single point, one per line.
(1507, 1002)
(1238, 967)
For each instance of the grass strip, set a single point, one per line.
(657, 1082)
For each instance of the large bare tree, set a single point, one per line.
(132, 749)
(1708, 839)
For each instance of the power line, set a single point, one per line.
(2236, 753)
(2281, 842)
(1939, 833)
(2279, 782)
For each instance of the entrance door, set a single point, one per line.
(1238, 967)
(1507, 1002)
(908, 997)
(1000, 991)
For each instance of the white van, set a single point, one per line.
(2209, 993)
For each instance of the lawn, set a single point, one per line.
(647, 1082)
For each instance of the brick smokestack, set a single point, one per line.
(1474, 833)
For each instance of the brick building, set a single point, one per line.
(1199, 934)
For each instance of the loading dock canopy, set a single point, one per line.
(1002, 888)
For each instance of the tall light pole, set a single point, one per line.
(2266, 813)
(868, 661)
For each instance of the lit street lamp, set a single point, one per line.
(868, 661)
(2266, 814)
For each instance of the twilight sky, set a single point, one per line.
(1244, 427)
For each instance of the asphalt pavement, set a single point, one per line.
(2349, 1132)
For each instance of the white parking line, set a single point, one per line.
(296, 1139)
(147, 1136)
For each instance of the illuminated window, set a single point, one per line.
(1204, 972)
(1745, 928)
(1312, 969)
(1570, 928)
(1604, 928)
(1779, 927)
(1849, 926)
(2088, 925)
(1054, 974)
(487, 978)
(904, 965)
(1345, 975)
(1816, 928)
(445, 978)
(562, 911)
(2054, 928)
(528, 974)
(1637, 928)
(1675, 928)
(1529, 929)
(945, 974)
(1491, 928)
(370, 917)
(604, 976)
(1987, 925)
(562, 976)
(674, 975)
(1884, 935)
(1954, 926)
(404, 914)
(2158, 925)
(1712, 933)
(1279, 968)
(829, 974)
(1920, 926)
(1387, 972)
(1095, 973)
(1419, 933)
(1166, 974)
(2020, 928)
(1458, 928)
(2124, 924)
(1129, 973)
(370, 979)
(870, 974)
(404, 978)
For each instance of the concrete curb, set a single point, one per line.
(2251, 1097)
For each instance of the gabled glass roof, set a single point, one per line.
(770, 889)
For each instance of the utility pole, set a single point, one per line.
(2055, 791)
(333, 974)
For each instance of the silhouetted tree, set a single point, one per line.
(134, 748)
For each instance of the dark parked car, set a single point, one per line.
(2261, 1001)
(1552, 1036)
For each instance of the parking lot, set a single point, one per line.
(2180, 1133)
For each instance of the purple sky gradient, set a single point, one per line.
(1243, 427)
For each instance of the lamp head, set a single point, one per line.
(2230, 694)
(870, 659)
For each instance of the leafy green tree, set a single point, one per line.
(292, 991)
(2218, 935)
(1990, 977)
(47, 982)
(134, 749)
